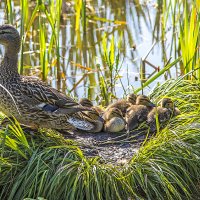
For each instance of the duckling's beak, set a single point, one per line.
(150, 104)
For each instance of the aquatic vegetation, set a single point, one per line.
(189, 41)
(109, 74)
(77, 39)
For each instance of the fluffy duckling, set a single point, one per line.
(123, 104)
(93, 114)
(114, 121)
(87, 103)
(136, 114)
(165, 111)
(94, 118)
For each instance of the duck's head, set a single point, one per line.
(132, 98)
(113, 112)
(167, 103)
(86, 102)
(10, 38)
(144, 100)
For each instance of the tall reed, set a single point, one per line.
(9, 12)
(109, 75)
(189, 41)
(24, 23)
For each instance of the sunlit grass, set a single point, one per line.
(165, 167)
(189, 40)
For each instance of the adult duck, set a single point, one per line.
(32, 102)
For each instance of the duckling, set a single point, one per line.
(165, 111)
(87, 103)
(93, 113)
(123, 104)
(97, 120)
(32, 102)
(136, 114)
(114, 121)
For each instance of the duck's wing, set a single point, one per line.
(43, 96)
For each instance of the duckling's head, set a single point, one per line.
(167, 103)
(10, 38)
(113, 112)
(131, 98)
(144, 100)
(86, 102)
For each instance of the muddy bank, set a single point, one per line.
(114, 148)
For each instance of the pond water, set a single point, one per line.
(136, 28)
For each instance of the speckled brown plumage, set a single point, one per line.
(30, 101)
(164, 112)
(124, 104)
(87, 103)
(114, 121)
(93, 114)
(136, 114)
(96, 119)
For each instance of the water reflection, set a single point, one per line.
(136, 25)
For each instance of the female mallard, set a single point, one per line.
(87, 103)
(124, 104)
(30, 101)
(136, 114)
(164, 112)
(114, 121)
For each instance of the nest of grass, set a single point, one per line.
(51, 166)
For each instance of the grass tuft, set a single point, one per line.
(50, 166)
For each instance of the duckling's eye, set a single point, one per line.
(169, 104)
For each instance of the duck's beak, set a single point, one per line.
(151, 104)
